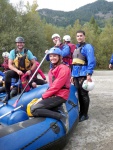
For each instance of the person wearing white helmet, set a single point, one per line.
(58, 91)
(67, 41)
(65, 48)
(83, 66)
(55, 35)
(67, 38)
(21, 61)
(5, 56)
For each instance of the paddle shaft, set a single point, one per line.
(11, 111)
(2, 105)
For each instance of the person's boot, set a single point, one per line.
(83, 118)
(80, 114)
(5, 100)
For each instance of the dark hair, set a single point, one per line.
(80, 31)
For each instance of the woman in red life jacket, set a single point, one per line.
(5, 56)
(58, 91)
(36, 81)
(4, 65)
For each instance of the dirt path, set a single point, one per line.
(97, 132)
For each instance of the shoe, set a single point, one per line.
(83, 118)
(65, 122)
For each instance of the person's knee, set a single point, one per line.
(34, 85)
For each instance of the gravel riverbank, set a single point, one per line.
(97, 132)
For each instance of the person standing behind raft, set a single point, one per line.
(111, 62)
(83, 66)
(64, 48)
(21, 61)
(67, 41)
(58, 91)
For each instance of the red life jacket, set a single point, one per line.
(24, 80)
(69, 58)
(5, 65)
(38, 72)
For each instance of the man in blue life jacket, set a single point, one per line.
(65, 48)
(21, 61)
(83, 67)
(111, 62)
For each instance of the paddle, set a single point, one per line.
(2, 105)
(11, 111)
(16, 102)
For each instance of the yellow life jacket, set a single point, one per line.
(29, 106)
(22, 62)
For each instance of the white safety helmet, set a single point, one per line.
(67, 38)
(88, 86)
(55, 35)
(5, 54)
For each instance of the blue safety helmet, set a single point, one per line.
(35, 58)
(54, 50)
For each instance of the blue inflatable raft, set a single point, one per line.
(20, 132)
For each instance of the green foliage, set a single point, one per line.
(100, 10)
(37, 33)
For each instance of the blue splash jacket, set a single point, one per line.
(82, 70)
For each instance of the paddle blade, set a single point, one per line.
(15, 104)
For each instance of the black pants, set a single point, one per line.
(83, 95)
(37, 81)
(15, 91)
(48, 107)
(8, 76)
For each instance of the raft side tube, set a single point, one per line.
(13, 117)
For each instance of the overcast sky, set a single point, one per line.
(64, 5)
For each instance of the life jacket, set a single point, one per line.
(69, 58)
(78, 58)
(24, 80)
(39, 71)
(21, 61)
(5, 65)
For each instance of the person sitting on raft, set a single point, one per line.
(58, 91)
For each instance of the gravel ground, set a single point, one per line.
(97, 132)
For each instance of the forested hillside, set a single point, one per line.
(37, 32)
(100, 10)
